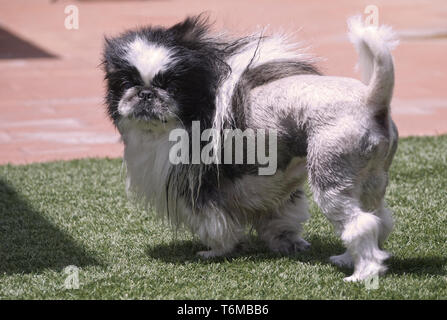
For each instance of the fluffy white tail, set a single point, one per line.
(373, 45)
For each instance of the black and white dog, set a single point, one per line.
(336, 132)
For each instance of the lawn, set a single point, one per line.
(76, 213)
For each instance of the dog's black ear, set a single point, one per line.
(192, 29)
(107, 55)
(112, 53)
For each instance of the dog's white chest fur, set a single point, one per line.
(146, 156)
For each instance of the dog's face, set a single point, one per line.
(158, 75)
(139, 79)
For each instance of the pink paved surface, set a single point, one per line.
(51, 108)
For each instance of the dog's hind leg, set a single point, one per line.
(343, 260)
(360, 227)
(372, 198)
(281, 229)
(387, 223)
(360, 234)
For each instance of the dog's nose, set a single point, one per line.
(145, 94)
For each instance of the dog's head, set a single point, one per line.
(156, 75)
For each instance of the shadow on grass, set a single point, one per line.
(180, 252)
(434, 265)
(30, 243)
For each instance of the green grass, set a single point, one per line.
(76, 213)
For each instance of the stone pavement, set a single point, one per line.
(51, 86)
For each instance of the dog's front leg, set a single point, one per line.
(217, 230)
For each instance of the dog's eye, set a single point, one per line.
(127, 85)
(159, 83)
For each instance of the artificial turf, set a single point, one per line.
(76, 213)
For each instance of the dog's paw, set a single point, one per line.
(208, 254)
(356, 277)
(353, 278)
(366, 271)
(342, 260)
(301, 245)
(288, 246)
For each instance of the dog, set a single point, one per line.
(335, 132)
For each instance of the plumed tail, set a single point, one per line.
(374, 45)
